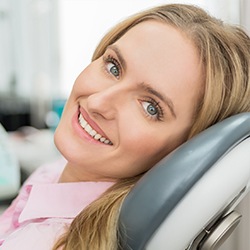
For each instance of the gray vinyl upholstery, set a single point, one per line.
(159, 191)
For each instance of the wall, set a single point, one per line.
(46, 43)
(83, 23)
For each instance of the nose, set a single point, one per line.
(105, 103)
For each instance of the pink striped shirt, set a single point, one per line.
(43, 209)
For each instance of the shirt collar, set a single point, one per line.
(61, 200)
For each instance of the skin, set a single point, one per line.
(155, 62)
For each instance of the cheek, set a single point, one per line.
(152, 145)
(143, 147)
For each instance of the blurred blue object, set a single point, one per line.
(53, 117)
(9, 168)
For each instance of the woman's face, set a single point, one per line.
(132, 106)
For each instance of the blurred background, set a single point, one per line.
(44, 45)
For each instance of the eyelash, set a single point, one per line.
(110, 59)
(160, 112)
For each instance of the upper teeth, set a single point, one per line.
(91, 131)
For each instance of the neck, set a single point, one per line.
(72, 173)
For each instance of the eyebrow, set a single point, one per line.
(156, 93)
(144, 86)
(118, 54)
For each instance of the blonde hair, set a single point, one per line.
(225, 54)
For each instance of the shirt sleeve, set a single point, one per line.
(39, 236)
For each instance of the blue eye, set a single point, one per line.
(113, 69)
(112, 66)
(152, 109)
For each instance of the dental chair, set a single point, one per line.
(187, 201)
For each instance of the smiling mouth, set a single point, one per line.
(83, 123)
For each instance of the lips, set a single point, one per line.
(92, 132)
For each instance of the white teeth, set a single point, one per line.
(102, 139)
(97, 136)
(88, 128)
(82, 122)
(106, 141)
(91, 131)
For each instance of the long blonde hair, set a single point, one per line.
(225, 54)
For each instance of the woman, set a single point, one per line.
(156, 79)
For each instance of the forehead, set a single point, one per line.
(159, 42)
(161, 45)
